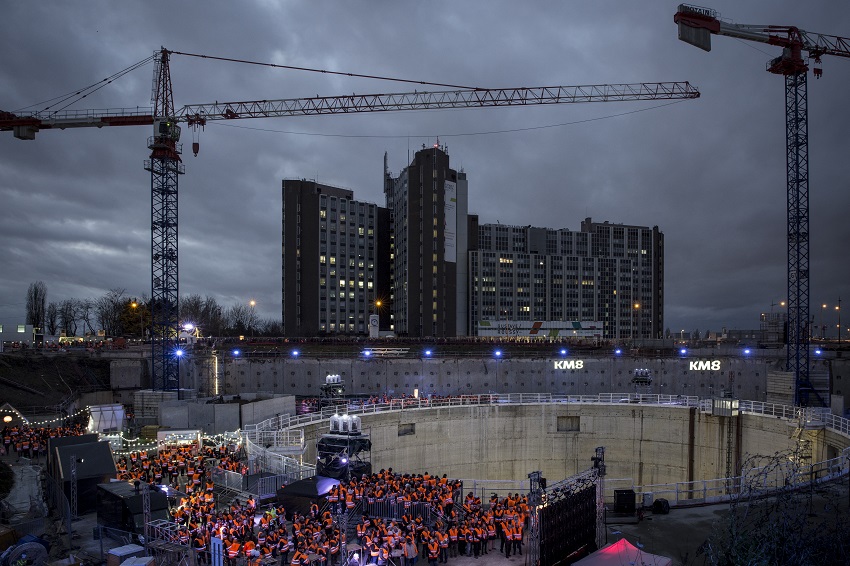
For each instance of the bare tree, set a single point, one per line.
(36, 304)
(51, 320)
(270, 327)
(192, 309)
(781, 516)
(109, 309)
(68, 317)
(214, 319)
(203, 312)
(85, 308)
(238, 319)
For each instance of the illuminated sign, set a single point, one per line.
(702, 365)
(569, 364)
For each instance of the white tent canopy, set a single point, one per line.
(106, 418)
(623, 552)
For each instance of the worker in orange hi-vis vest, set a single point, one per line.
(518, 537)
(433, 552)
(508, 530)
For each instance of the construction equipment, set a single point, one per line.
(165, 163)
(696, 25)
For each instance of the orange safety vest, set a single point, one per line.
(518, 532)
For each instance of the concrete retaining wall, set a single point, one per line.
(747, 377)
(645, 444)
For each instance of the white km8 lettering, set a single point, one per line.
(569, 364)
(702, 365)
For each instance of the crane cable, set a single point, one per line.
(294, 68)
(80, 94)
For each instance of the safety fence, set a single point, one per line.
(261, 485)
(56, 499)
(394, 510)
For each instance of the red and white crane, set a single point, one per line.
(696, 26)
(165, 163)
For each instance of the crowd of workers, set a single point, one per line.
(184, 467)
(27, 441)
(459, 526)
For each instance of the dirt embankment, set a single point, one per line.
(33, 379)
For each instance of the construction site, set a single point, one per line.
(626, 447)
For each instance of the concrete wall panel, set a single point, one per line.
(226, 418)
(644, 445)
(747, 377)
(174, 414)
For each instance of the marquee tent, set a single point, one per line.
(623, 552)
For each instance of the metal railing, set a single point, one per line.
(677, 493)
(280, 439)
(393, 510)
(485, 488)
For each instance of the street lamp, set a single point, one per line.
(838, 309)
(253, 303)
(822, 324)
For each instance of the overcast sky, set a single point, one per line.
(710, 173)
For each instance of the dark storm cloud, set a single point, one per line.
(75, 204)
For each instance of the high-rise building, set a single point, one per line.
(330, 272)
(428, 205)
(606, 275)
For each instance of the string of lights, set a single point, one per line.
(9, 414)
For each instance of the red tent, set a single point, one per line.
(623, 552)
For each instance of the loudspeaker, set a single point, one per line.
(624, 500)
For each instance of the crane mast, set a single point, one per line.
(165, 164)
(696, 25)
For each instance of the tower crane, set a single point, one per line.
(696, 25)
(165, 162)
